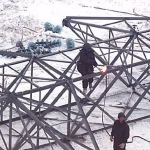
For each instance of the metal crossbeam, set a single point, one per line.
(51, 108)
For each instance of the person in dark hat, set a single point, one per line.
(85, 65)
(120, 132)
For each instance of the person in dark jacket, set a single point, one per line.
(120, 132)
(85, 65)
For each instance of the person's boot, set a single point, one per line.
(90, 86)
(85, 90)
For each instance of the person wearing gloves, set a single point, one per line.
(85, 65)
(120, 132)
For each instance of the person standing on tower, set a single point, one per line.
(85, 65)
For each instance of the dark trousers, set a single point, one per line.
(85, 70)
(117, 142)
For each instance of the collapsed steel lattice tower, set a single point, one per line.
(41, 98)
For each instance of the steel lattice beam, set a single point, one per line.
(51, 107)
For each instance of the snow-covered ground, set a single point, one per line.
(32, 14)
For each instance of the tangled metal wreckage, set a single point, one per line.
(48, 108)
